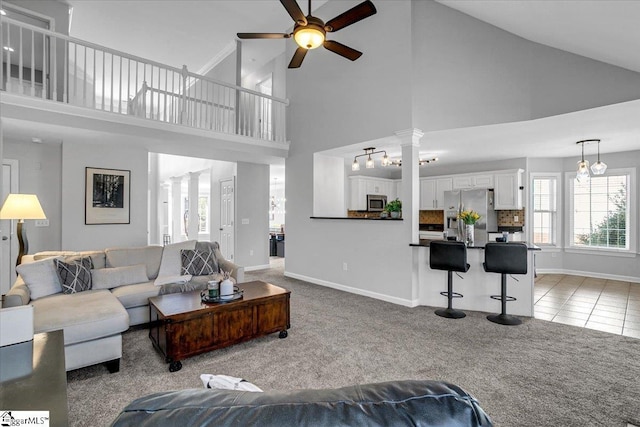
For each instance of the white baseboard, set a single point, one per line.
(257, 267)
(588, 274)
(383, 297)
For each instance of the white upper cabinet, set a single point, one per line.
(432, 192)
(427, 194)
(442, 185)
(507, 190)
(483, 181)
(461, 182)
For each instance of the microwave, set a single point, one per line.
(376, 202)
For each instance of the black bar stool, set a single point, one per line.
(450, 256)
(505, 258)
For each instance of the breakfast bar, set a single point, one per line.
(476, 285)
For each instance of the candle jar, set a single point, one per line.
(213, 289)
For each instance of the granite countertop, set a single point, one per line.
(426, 242)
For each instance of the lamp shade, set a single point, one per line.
(22, 206)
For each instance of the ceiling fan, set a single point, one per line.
(310, 32)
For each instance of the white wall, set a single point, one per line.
(335, 102)
(40, 174)
(468, 73)
(432, 68)
(252, 219)
(328, 186)
(76, 156)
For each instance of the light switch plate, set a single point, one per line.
(42, 222)
(245, 221)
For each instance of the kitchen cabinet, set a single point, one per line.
(360, 186)
(474, 181)
(432, 192)
(507, 189)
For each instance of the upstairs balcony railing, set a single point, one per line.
(44, 64)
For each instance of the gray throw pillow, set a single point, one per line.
(75, 276)
(40, 277)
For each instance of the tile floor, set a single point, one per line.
(605, 305)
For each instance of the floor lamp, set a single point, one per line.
(21, 207)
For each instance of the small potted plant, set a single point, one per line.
(394, 208)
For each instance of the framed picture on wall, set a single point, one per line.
(107, 196)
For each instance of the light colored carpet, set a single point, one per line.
(536, 374)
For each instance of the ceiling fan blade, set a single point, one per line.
(342, 50)
(294, 10)
(351, 16)
(263, 35)
(296, 61)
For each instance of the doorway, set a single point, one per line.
(9, 241)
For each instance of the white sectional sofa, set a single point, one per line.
(122, 281)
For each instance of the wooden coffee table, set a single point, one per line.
(183, 326)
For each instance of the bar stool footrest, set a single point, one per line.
(450, 313)
(453, 294)
(506, 298)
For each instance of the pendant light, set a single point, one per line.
(582, 175)
(599, 168)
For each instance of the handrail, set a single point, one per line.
(83, 73)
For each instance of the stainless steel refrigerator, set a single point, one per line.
(480, 201)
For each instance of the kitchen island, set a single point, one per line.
(476, 285)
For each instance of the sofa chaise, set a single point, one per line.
(120, 282)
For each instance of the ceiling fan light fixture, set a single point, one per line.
(309, 36)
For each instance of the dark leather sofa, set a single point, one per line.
(397, 403)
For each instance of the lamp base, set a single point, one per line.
(23, 243)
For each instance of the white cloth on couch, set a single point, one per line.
(226, 382)
(171, 264)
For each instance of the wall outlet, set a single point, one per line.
(42, 222)
(345, 267)
(516, 218)
(553, 254)
(245, 221)
(251, 252)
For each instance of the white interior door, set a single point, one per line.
(227, 215)
(8, 238)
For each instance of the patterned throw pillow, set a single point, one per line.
(75, 276)
(197, 263)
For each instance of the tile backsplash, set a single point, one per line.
(431, 217)
(506, 218)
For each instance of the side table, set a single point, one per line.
(45, 387)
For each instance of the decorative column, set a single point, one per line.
(175, 214)
(194, 193)
(410, 143)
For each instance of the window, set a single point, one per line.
(545, 209)
(600, 211)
